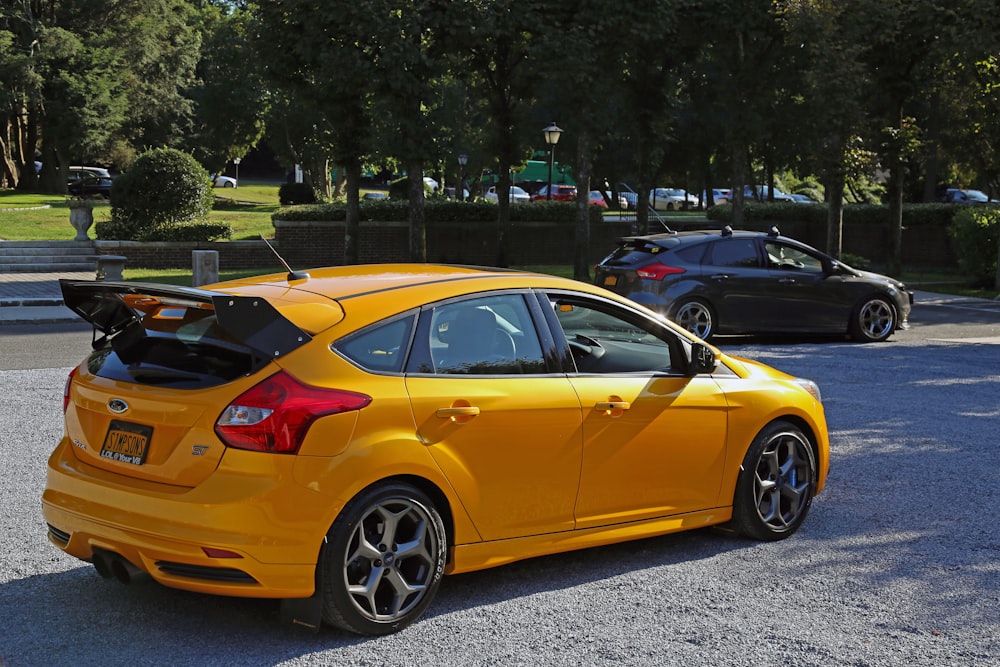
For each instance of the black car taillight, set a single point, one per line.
(657, 271)
(275, 415)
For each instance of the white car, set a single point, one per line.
(517, 195)
(671, 199)
(219, 181)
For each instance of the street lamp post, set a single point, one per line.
(236, 161)
(463, 160)
(551, 133)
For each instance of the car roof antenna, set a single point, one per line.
(292, 275)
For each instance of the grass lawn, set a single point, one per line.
(31, 217)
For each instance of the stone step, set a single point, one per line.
(47, 267)
(46, 256)
(77, 251)
(55, 245)
(47, 259)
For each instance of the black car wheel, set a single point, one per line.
(384, 560)
(696, 316)
(776, 484)
(873, 320)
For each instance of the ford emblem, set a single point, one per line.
(117, 406)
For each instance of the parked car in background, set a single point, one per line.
(957, 196)
(719, 196)
(89, 182)
(597, 199)
(517, 195)
(761, 194)
(343, 439)
(559, 193)
(631, 196)
(220, 181)
(741, 282)
(375, 195)
(671, 199)
(802, 199)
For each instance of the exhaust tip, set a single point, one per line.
(101, 564)
(113, 566)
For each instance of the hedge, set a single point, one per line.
(974, 235)
(914, 215)
(436, 211)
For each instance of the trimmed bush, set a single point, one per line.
(162, 187)
(914, 215)
(438, 210)
(291, 194)
(975, 231)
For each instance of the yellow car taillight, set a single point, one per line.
(275, 415)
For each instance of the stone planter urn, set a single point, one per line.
(81, 217)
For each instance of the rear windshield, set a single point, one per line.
(175, 346)
(633, 252)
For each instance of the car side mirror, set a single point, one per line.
(702, 359)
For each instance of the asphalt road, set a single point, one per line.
(897, 563)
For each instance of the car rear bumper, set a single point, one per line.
(271, 539)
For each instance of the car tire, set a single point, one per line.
(696, 316)
(776, 483)
(383, 560)
(229, 184)
(873, 320)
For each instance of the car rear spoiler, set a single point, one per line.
(250, 320)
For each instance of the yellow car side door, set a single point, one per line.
(504, 430)
(654, 439)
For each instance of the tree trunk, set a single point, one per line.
(739, 161)
(894, 262)
(581, 264)
(352, 228)
(835, 214)
(503, 216)
(418, 233)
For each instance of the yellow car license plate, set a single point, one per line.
(610, 281)
(126, 442)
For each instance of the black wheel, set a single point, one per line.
(873, 320)
(776, 484)
(383, 561)
(696, 316)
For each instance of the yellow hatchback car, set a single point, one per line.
(342, 440)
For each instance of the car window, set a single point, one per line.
(606, 339)
(734, 252)
(490, 335)
(787, 257)
(378, 348)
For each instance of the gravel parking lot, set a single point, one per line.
(896, 564)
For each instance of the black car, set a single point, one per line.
(89, 182)
(740, 282)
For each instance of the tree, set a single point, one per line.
(830, 111)
(231, 100)
(319, 56)
(92, 80)
(493, 39)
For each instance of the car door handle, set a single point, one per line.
(456, 412)
(609, 406)
(787, 281)
(720, 276)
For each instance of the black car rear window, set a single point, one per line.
(633, 252)
(177, 347)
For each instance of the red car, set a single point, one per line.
(559, 193)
